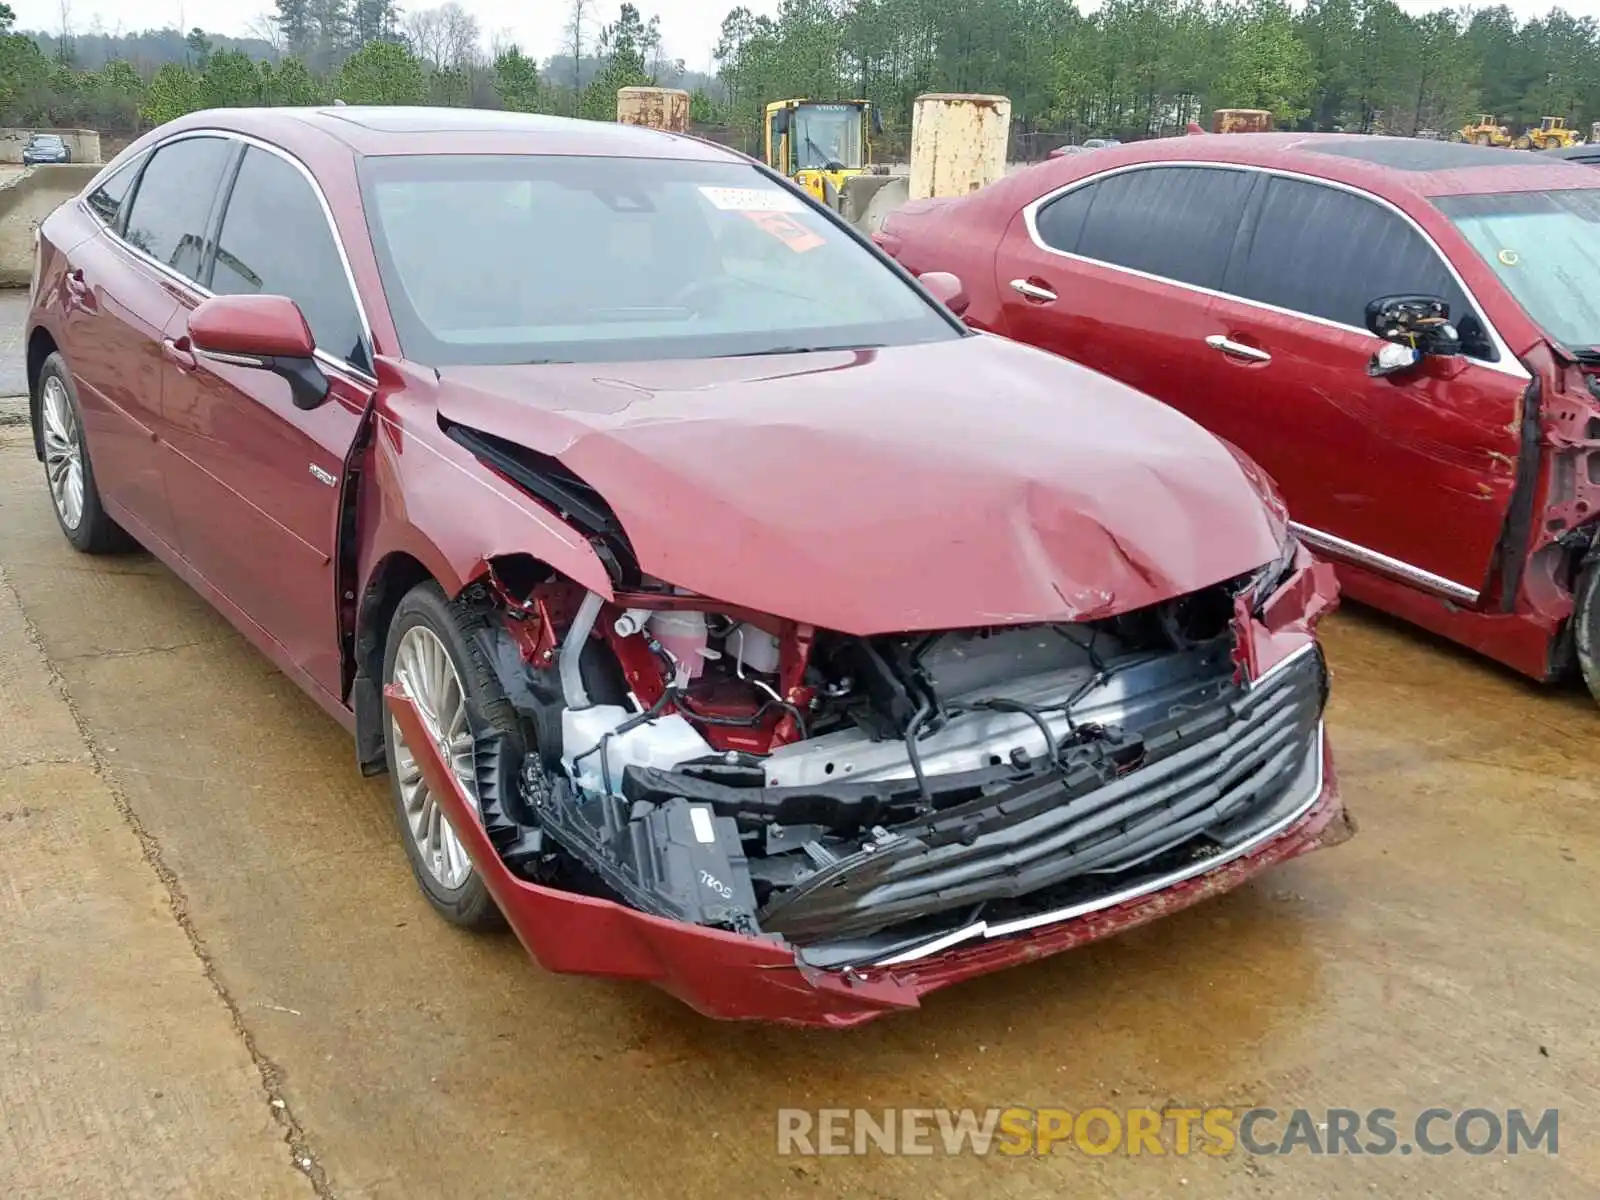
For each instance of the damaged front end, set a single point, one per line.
(857, 820)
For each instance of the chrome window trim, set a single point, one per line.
(343, 366)
(986, 931)
(1362, 556)
(1507, 365)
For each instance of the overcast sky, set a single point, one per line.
(689, 27)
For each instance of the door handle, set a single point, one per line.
(1238, 349)
(178, 353)
(1032, 291)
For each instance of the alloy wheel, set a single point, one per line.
(422, 667)
(63, 452)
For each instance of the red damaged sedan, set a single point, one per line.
(724, 613)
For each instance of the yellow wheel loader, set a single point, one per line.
(1552, 134)
(1486, 131)
(820, 145)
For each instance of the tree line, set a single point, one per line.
(1137, 68)
(315, 51)
(1131, 68)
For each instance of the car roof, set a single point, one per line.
(1386, 166)
(400, 129)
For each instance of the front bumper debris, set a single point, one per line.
(733, 976)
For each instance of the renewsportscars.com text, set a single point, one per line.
(1162, 1131)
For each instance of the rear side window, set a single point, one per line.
(275, 240)
(1328, 252)
(1060, 223)
(173, 201)
(106, 201)
(1175, 222)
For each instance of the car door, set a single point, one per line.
(256, 481)
(1411, 474)
(1113, 273)
(121, 289)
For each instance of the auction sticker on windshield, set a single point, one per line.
(787, 230)
(750, 200)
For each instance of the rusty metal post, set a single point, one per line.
(654, 107)
(1241, 120)
(958, 143)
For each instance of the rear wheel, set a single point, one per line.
(67, 469)
(460, 702)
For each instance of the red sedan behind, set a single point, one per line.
(1404, 334)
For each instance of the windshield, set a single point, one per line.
(1545, 248)
(46, 139)
(827, 136)
(533, 258)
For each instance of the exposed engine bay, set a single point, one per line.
(861, 797)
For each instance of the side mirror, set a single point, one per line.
(1391, 359)
(1416, 327)
(780, 121)
(877, 123)
(1422, 322)
(268, 333)
(947, 289)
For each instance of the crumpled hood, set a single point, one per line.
(958, 484)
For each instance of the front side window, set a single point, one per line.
(173, 202)
(1329, 253)
(1545, 248)
(275, 239)
(106, 201)
(1175, 222)
(534, 258)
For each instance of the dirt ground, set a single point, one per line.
(218, 980)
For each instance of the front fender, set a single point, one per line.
(429, 498)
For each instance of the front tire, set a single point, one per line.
(68, 472)
(460, 702)
(1586, 627)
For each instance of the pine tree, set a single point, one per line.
(295, 23)
(374, 21)
(516, 80)
(334, 23)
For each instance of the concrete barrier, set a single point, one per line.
(25, 201)
(84, 143)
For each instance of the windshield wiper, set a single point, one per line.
(802, 350)
(1586, 354)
